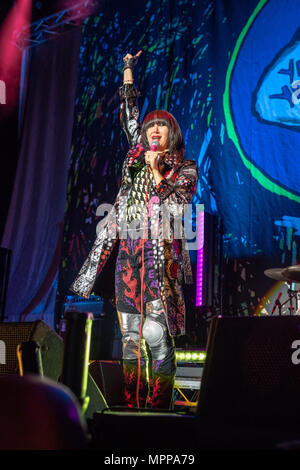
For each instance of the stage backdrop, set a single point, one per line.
(229, 71)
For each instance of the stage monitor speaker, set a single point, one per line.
(252, 371)
(51, 344)
(108, 376)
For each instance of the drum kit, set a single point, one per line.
(291, 276)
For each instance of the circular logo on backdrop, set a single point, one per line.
(261, 98)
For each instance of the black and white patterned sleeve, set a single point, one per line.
(129, 113)
(181, 188)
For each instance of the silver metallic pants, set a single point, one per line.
(156, 339)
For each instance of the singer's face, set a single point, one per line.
(160, 132)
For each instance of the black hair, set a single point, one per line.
(162, 117)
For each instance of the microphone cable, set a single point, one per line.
(142, 289)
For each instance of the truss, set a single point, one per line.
(51, 26)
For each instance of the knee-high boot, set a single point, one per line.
(135, 366)
(163, 374)
(162, 348)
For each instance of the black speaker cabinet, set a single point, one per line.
(51, 344)
(11, 334)
(252, 371)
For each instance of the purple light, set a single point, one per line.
(199, 276)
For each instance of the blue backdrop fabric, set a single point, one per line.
(34, 225)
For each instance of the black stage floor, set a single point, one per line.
(152, 431)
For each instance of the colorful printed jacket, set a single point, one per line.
(171, 256)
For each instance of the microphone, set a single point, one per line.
(155, 145)
(154, 148)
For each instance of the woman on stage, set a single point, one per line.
(149, 266)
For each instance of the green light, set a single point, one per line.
(190, 356)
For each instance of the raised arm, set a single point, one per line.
(129, 113)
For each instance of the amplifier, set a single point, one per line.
(93, 304)
(187, 384)
(188, 377)
(189, 371)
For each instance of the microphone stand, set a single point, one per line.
(292, 294)
(277, 304)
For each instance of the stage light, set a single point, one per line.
(193, 356)
(209, 259)
(199, 277)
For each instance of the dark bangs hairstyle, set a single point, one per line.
(175, 138)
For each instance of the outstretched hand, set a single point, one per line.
(130, 56)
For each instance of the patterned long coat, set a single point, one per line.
(171, 255)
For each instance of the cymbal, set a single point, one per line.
(292, 273)
(275, 273)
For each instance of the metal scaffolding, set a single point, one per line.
(58, 23)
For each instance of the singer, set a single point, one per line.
(148, 271)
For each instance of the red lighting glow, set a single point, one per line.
(85, 7)
(18, 17)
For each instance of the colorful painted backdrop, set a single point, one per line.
(229, 71)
